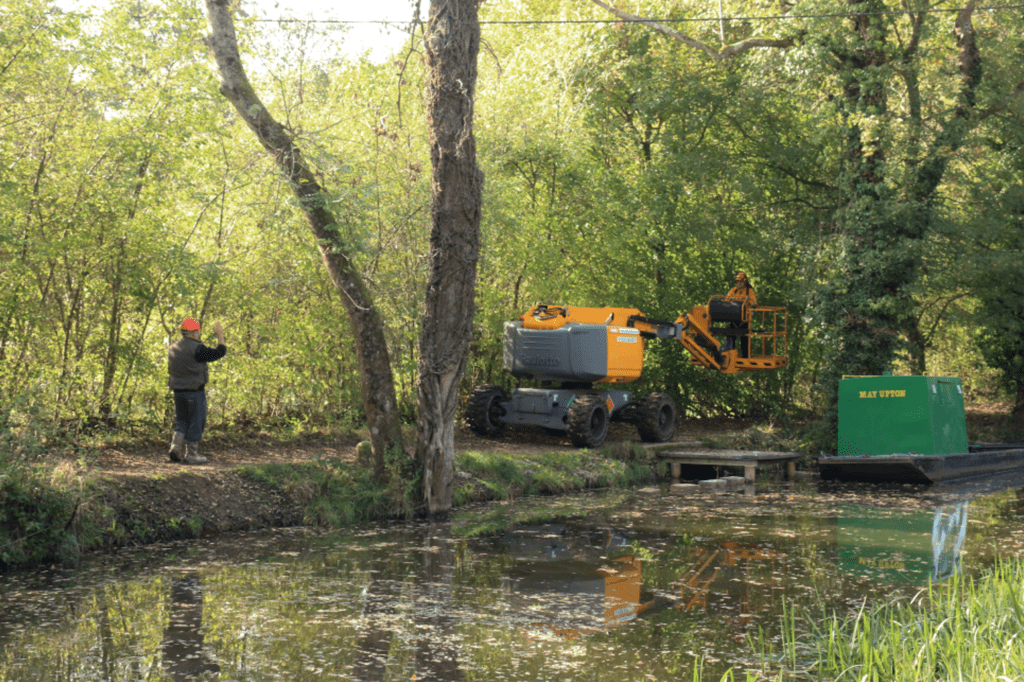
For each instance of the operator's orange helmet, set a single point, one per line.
(741, 277)
(189, 324)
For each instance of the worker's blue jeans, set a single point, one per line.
(190, 414)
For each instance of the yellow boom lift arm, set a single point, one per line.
(761, 331)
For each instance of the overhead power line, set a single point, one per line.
(770, 17)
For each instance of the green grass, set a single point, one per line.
(962, 630)
(335, 493)
(498, 475)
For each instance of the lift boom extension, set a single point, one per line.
(578, 347)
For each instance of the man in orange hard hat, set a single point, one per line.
(188, 373)
(741, 293)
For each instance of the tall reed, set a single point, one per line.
(965, 629)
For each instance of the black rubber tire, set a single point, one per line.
(656, 418)
(588, 421)
(484, 410)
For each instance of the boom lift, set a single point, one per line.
(568, 350)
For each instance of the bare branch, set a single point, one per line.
(724, 53)
(1013, 96)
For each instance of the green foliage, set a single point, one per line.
(145, 207)
(1000, 285)
(498, 475)
(39, 518)
(1002, 341)
(623, 168)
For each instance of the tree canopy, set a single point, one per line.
(861, 160)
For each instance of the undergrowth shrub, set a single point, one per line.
(39, 520)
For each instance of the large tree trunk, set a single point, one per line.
(377, 383)
(452, 42)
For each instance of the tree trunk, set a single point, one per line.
(377, 382)
(1018, 414)
(452, 42)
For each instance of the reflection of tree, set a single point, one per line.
(383, 639)
(437, 655)
(949, 529)
(182, 645)
(374, 642)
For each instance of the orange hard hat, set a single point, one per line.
(189, 324)
(741, 276)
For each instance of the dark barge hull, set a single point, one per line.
(982, 460)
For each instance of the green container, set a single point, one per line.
(901, 415)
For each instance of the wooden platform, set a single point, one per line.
(748, 459)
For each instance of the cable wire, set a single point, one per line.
(772, 17)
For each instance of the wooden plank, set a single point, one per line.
(727, 456)
(679, 444)
(749, 460)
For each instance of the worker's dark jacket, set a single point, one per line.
(186, 363)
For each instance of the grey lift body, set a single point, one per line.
(574, 356)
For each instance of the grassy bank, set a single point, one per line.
(336, 493)
(52, 514)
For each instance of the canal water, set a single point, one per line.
(629, 588)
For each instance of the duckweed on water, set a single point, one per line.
(652, 588)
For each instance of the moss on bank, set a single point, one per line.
(53, 515)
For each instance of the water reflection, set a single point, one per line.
(732, 564)
(624, 600)
(183, 654)
(637, 590)
(907, 547)
(596, 574)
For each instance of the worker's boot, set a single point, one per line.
(177, 446)
(193, 456)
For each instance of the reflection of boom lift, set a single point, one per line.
(695, 583)
(624, 598)
(578, 347)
